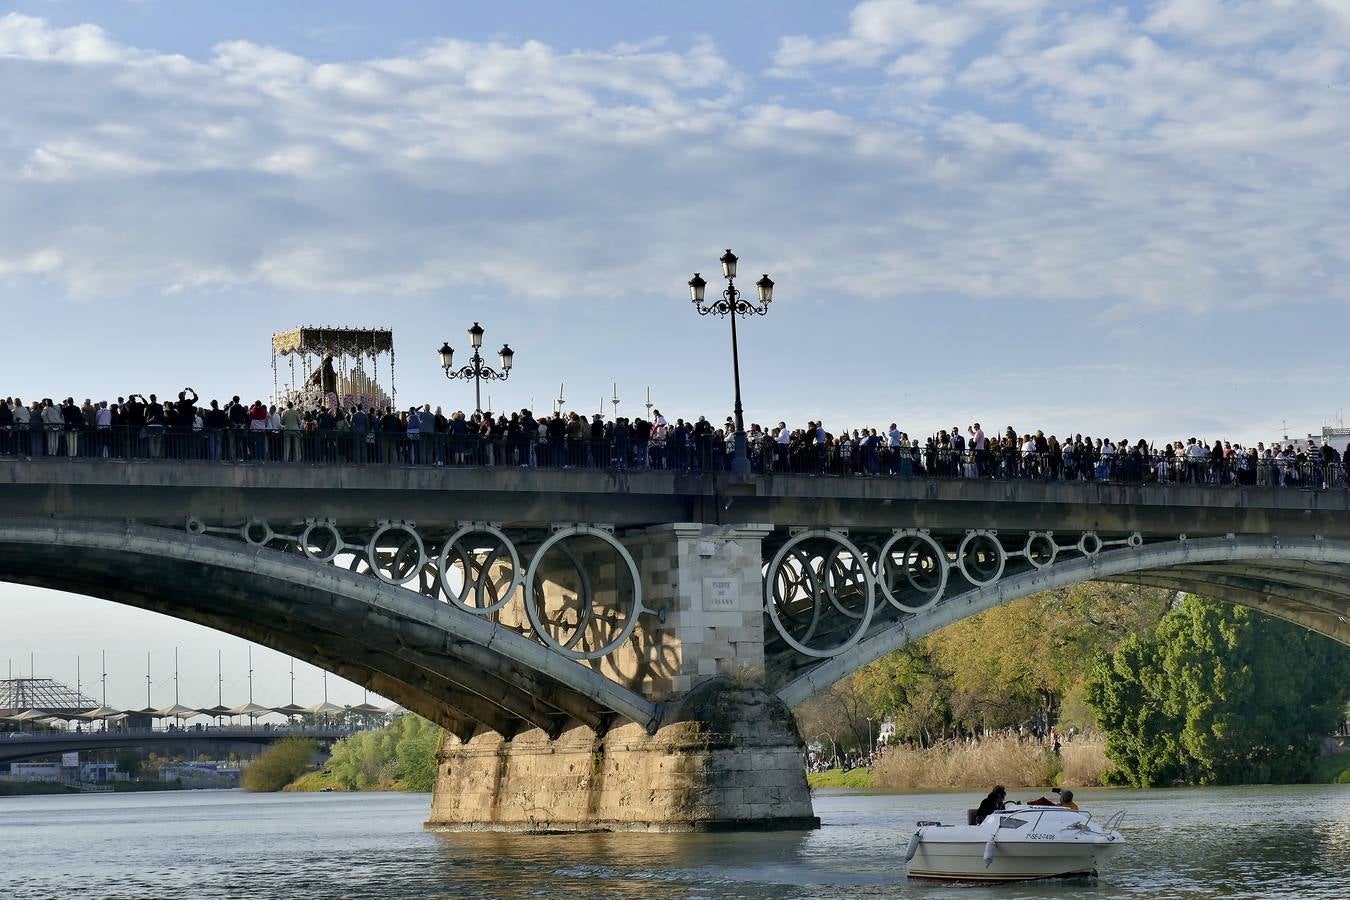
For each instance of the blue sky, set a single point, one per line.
(1121, 219)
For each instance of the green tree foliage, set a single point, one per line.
(1218, 695)
(128, 761)
(416, 751)
(401, 755)
(279, 765)
(1014, 664)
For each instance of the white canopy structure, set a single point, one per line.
(250, 709)
(102, 712)
(28, 715)
(326, 709)
(366, 709)
(290, 709)
(176, 711)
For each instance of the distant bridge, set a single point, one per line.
(547, 615)
(187, 742)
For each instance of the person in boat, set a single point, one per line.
(1066, 800)
(991, 804)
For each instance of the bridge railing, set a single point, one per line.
(694, 455)
(221, 731)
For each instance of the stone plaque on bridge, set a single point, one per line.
(721, 594)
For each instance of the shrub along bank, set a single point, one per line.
(398, 757)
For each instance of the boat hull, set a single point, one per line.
(951, 861)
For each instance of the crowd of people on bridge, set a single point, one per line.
(183, 428)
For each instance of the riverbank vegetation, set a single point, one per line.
(398, 757)
(1141, 686)
(1219, 694)
(279, 765)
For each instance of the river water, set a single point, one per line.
(1198, 842)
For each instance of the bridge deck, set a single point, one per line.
(164, 493)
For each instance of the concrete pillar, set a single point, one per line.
(726, 755)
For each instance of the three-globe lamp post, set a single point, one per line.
(477, 369)
(732, 305)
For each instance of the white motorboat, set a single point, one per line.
(1018, 843)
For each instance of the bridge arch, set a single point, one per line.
(458, 669)
(1306, 582)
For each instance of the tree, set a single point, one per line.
(840, 714)
(279, 765)
(416, 752)
(128, 761)
(1018, 661)
(910, 687)
(402, 754)
(1211, 698)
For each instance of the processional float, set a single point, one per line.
(334, 366)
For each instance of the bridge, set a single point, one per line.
(620, 649)
(187, 742)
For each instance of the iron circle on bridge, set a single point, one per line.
(1089, 544)
(321, 541)
(256, 532)
(479, 583)
(1040, 549)
(403, 566)
(981, 558)
(771, 603)
(839, 575)
(789, 580)
(924, 567)
(531, 608)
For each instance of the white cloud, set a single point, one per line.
(1186, 158)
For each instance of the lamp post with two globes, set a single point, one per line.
(732, 306)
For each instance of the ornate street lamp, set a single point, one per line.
(731, 305)
(476, 369)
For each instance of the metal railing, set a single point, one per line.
(693, 454)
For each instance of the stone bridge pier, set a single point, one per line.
(722, 753)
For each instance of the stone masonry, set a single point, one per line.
(733, 761)
(727, 754)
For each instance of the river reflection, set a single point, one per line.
(1231, 842)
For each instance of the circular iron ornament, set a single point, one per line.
(1135, 540)
(848, 576)
(401, 569)
(977, 572)
(533, 613)
(1089, 544)
(1040, 549)
(770, 607)
(924, 551)
(324, 536)
(257, 533)
(195, 525)
(796, 575)
(476, 584)
(587, 595)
